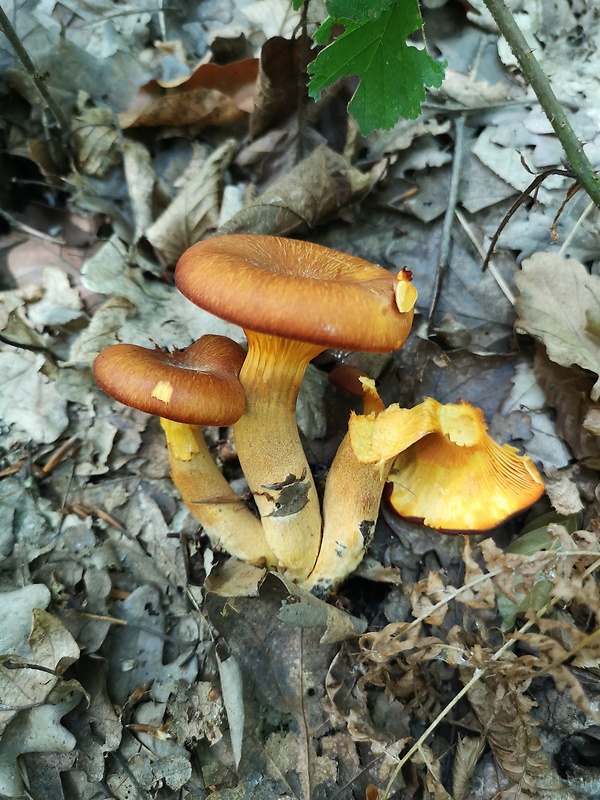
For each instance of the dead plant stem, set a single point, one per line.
(552, 108)
(480, 672)
(23, 56)
(444, 258)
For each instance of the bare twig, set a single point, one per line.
(525, 195)
(444, 259)
(23, 56)
(552, 108)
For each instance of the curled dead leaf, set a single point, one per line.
(212, 95)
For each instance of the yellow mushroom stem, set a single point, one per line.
(271, 453)
(353, 494)
(208, 496)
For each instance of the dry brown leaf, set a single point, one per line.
(504, 714)
(480, 593)
(282, 67)
(194, 210)
(212, 95)
(558, 298)
(433, 774)
(314, 190)
(568, 391)
(423, 605)
(468, 752)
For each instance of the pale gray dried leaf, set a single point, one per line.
(96, 140)
(28, 524)
(505, 161)
(17, 608)
(30, 401)
(527, 398)
(195, 208)
(555, 296)
(140, 177)
(52, 645)
(147, 524)
(27, 680)
(33, 731)
(307, 611)
(163, 315)
(472, 93)
(136, 651)
(13, 324)
(102, 331)
(233, 699)
(111, 81)
(310, 406)
(403, 134)
(60, 304)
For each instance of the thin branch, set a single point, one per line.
(444, 257)
(23, 56)
(552, 108)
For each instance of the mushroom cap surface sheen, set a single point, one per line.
(299, 290)
(197, 385)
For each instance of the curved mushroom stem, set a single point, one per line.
(350, 510)
(207, 494)
(270, 451)
(352, 496)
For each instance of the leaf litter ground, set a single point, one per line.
(137, 663)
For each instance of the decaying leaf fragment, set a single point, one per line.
(36, 651)
(504, 713)
(314, 190)
(558, 303)
(281, 66)
(212, 95)
(195, 208)
(568, 391)
(31, 401)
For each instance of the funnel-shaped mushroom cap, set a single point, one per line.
(298, 290)
(456, 478)
(198, 385)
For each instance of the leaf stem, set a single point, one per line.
(552, 108)
(23, 56)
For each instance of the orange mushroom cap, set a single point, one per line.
(299, 290)
(456, 478)
(197, 385)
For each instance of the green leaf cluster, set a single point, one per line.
(392, 73)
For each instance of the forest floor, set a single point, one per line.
(135, 660)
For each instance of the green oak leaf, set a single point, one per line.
(357, 10)
(393, 74)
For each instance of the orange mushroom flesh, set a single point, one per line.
(446, 471)
(294, 300)
(186, 389)
(458, 479)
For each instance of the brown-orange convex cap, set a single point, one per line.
(197, 385)
(299, 290)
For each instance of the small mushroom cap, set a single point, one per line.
(197, 385)
(299, 290)
(457, 479)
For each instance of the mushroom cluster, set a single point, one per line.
(294, 300)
